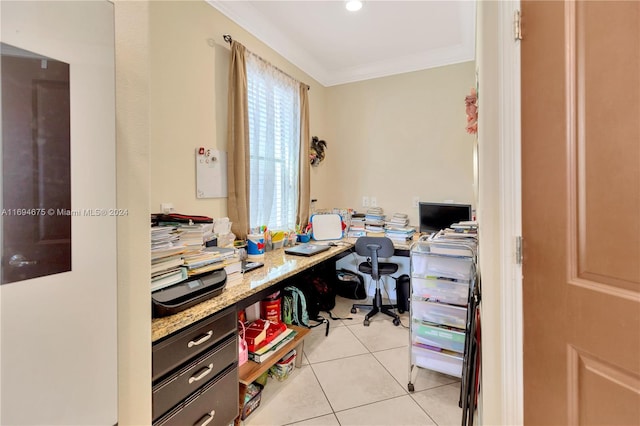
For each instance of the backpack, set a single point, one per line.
(350, 285)
(295, 309)
(321, 296)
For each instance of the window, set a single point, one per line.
(274, 145)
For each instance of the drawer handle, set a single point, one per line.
(206, 419)
(204, 372)
(201, 340)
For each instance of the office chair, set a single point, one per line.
(374, 248)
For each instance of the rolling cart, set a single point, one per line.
(444, 308)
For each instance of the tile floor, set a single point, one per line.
(358, 376)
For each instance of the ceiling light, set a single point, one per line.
(353, 5)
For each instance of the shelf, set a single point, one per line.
(250, 370)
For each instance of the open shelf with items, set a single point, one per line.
(443, 310)
(250, 370)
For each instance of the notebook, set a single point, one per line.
(306, 249)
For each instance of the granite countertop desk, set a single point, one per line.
(277, 267)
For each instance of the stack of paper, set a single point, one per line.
(455, 241)
(166, 258)
(209, 259)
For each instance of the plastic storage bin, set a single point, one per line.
(438, 361)
(437, 266)
(283, 368)
(439, 313)
(438, 337)
(451, 292)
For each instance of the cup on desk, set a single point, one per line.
(255, 245)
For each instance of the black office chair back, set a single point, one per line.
(374, 248)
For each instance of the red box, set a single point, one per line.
(270, 310)
(261, 332)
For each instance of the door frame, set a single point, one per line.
(510, 209)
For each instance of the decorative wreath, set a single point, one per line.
(316, 152)
(471, 104)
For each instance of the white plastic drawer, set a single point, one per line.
(438, 337)
(452, 292)
(446, 363)
(434, 266)
(439, 313)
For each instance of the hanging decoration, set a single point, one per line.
(471, 102)
(316, 152)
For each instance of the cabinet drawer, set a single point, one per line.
(178, 386)
(438, 337)
(177, 349)
(215, 404)
(440, 313)
(451, 292)
(438, 361)
(459, 268)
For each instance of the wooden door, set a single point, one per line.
(581, 212)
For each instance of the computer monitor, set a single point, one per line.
(437, 216)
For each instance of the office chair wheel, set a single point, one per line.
(410, 387)
(400, 311)
(366, 323)
(354, 311)
(396, 322)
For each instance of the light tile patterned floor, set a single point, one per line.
(358, 376)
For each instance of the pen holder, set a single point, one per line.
(304, 238)
(255, 245)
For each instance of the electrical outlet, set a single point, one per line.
(416, 201)
(374, 202)
(166, 207)
(365, 201)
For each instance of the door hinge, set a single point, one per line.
(519, 250)
(517, 26)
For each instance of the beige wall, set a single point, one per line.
(188, 97)
(132, 180)
(397, 137)
(491, 411)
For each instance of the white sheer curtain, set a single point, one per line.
(274, 144)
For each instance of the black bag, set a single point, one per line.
(403, 292)
(350, 285)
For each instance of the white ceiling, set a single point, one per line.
(335, 46)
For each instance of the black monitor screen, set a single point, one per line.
(437, 216)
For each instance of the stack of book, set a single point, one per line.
(166, 258)
(398, 229)
(357, 226)
(397, 220)
(264, 338)
(374, 222)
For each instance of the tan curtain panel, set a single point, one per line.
(304, 185)
(238, 143)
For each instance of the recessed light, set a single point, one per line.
(353, 5)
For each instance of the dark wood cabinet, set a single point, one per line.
(195, 373)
